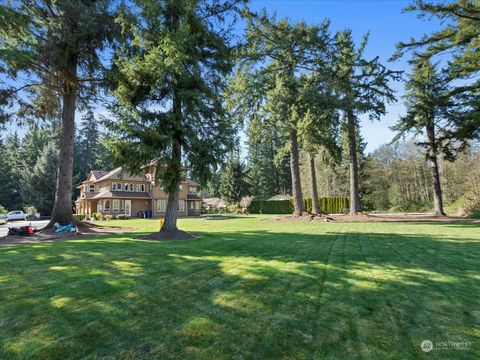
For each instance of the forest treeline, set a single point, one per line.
(178, 87)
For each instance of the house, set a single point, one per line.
(119, 192)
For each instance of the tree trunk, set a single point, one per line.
(313, 186)
(355, 205)
(433, 163)
(62, 209)
(170, 222)
(298, 206)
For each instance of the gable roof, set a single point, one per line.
(120, 174)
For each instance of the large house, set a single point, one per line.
(119, 192)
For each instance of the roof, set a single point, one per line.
(191, 182)
(122, 194)
(215, 202)
(280, 197)
(99, 173)
(193, 197)
(120, 174)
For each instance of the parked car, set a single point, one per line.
(16, 215)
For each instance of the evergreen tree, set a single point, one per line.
(42, 179)
(275, 55)
(11, 174)
(318, 127)
(363, 88)
(460, 36)
(268, 160)
(169, 77)
(429, 113)
(89, 152)
(233, 182)
(49, 55)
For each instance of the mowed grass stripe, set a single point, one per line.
(248, 287)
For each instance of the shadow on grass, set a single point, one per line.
(241, 294)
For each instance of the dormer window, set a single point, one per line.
(114, 186)
(192, 190)
(142, 187)
(131, 187)
(91, 188)
(125, 187)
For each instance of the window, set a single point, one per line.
(142, 187)
(137, 187)
(106, 205)
(92, 188)
(181, 205)
(115, 205)
(192, 190)
(114, 186)
(131, 187)
(191, 205)
(125, 187)
(161, 205)
(180, 187)
(122, 205)
(197, 205)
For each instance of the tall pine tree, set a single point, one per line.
(49, 56)
(169, 79)
(363, 88)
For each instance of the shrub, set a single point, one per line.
(3, 210)
(270, 207)
(474, 215)
(30, 211)
(108, 217)
(233, 208)
(122, 217)
(79, 217)
(329, 205)
(97, 216)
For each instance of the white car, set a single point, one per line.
(16, 215)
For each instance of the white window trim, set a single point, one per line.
(181, 205)
(117, 203)
(114, 186)
(161, 205)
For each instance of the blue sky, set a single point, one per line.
(387, 25)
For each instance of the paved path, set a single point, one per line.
(35, 224)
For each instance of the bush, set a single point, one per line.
(30, 211)
(233, 208)
(270, 207)
(329, 205)
(79, 217)
(122, 217)
(97, 216)
(474, 215)
(108, 217)
(3, 210)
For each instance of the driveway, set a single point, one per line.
(35, 224)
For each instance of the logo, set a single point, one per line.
(426, 345)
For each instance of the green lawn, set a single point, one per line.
(246, 289)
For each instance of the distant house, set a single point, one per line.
(119, 192)
(280, 198)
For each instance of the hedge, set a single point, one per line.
(270, 207)
(329, 205)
